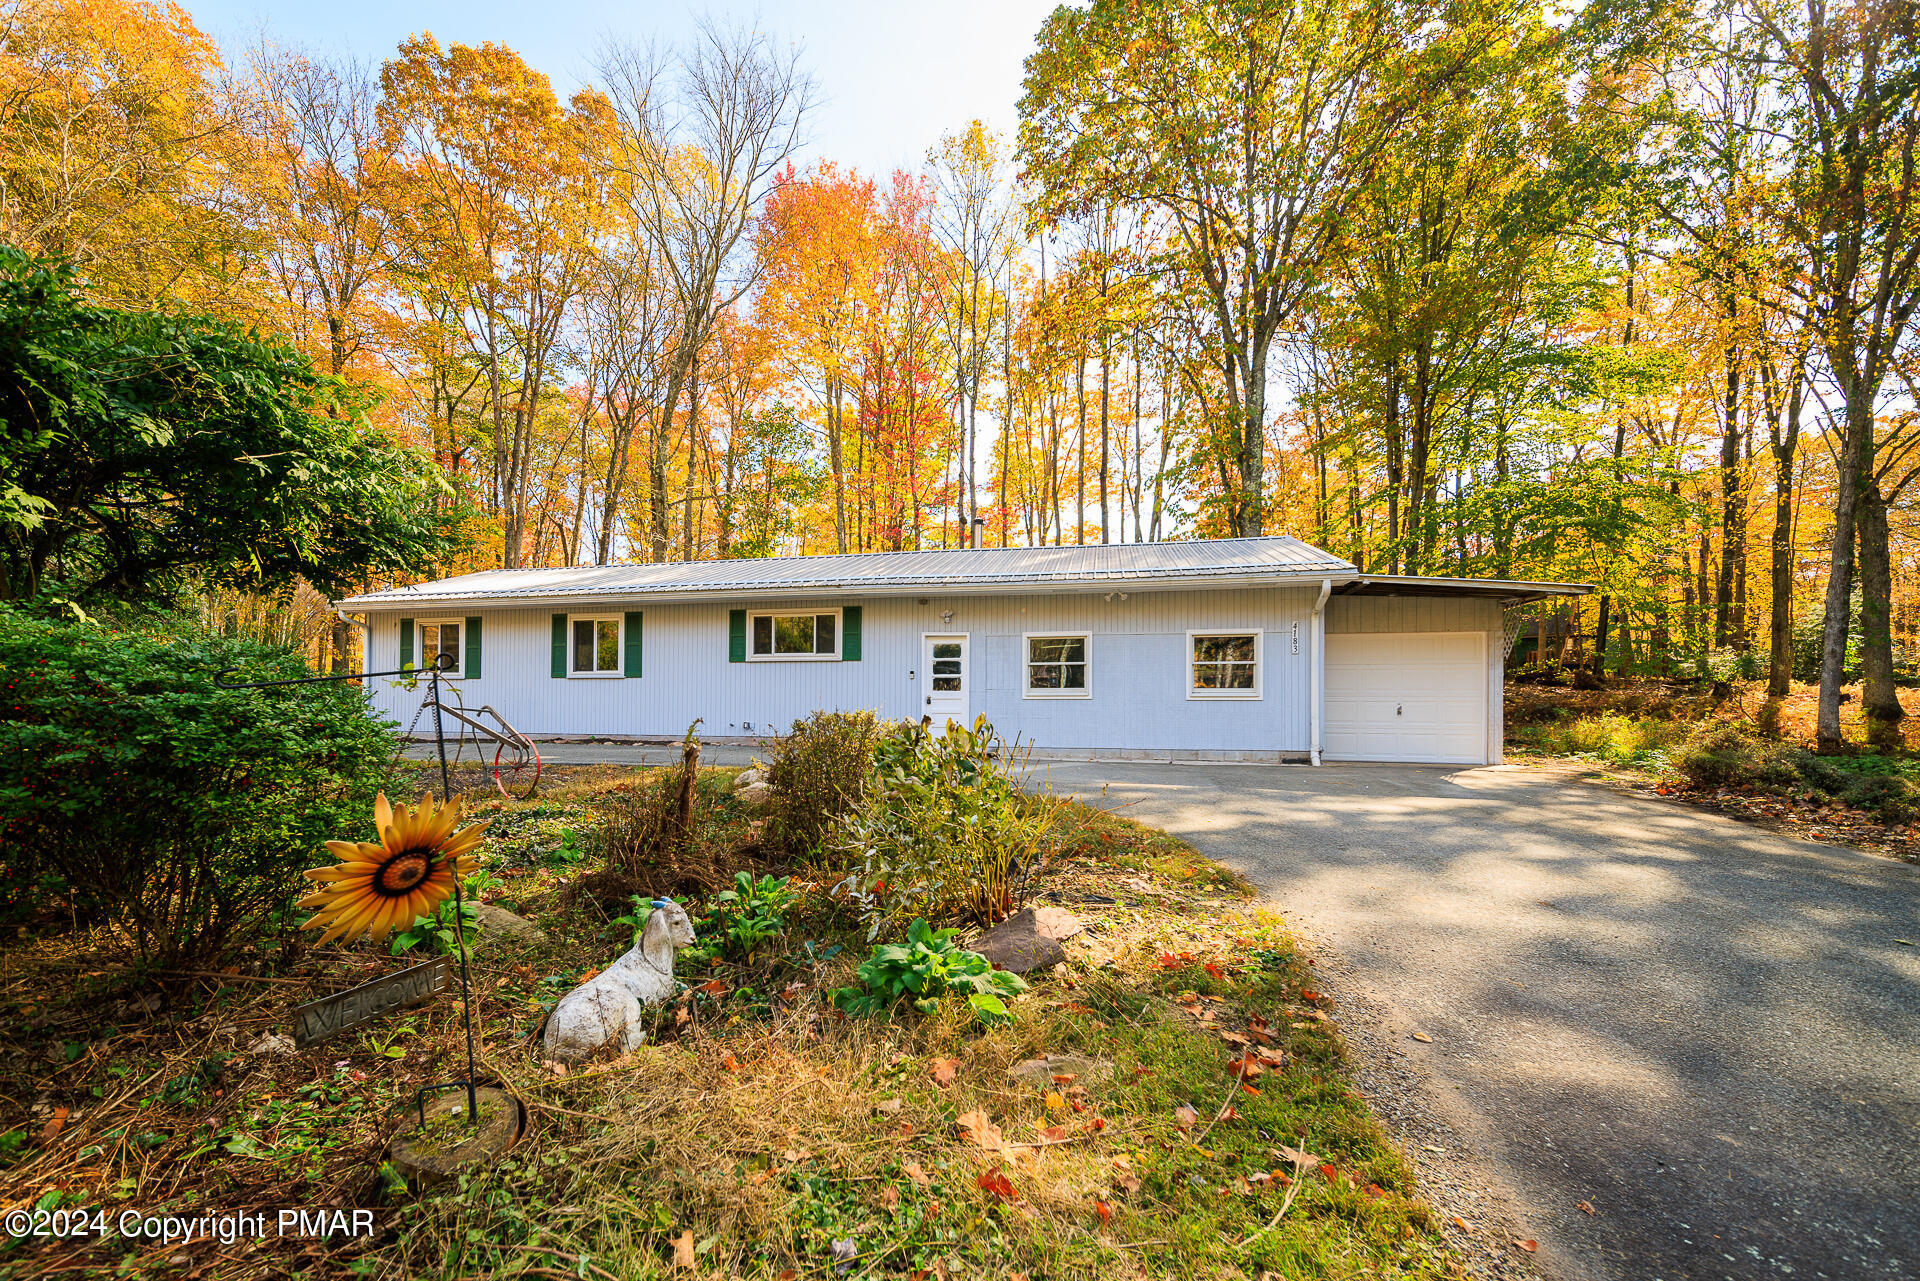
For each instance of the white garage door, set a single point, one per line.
(1407, 696)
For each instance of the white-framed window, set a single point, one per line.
(778, 637)
(1057, 665)
(593, 644)
(1223, 663)
(442, 641)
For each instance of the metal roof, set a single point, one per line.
(999, 568)
(1216, 562)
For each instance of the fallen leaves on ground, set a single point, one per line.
(1184, 1117)
(683, 1250)
(997, 1182)
(943, 1071)
(978, 1127)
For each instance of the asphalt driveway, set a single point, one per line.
(1708, 1033)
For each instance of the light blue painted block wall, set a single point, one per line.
(1137, 653)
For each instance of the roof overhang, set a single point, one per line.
(1512, 591)
(1344, 582)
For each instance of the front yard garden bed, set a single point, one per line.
(761, 1131)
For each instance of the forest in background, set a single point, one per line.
(1483, 289)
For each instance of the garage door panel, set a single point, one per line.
(1406, 696)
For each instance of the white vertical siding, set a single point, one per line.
(1137, 657)
(1354, 614)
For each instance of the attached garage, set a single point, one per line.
(1415, 671)
(1407, 696)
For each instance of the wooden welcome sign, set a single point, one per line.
(358, 1006)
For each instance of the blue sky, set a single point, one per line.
(892, 77)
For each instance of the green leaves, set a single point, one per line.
(942, 831)
(750, 914)
(182, 810)
(138, 450)
(928, 966)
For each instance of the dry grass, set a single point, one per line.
(759, 1120)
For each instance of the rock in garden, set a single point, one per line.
(754, 797)
(753, 776)
(1019, 944)
(497, 924)
(1056, 922)
(274, 1043)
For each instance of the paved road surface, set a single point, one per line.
(1706, 1031)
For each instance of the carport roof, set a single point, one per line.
(1225, 562)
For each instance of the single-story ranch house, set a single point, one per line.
(1246, 649)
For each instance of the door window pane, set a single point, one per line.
(948, 664)
(823, 633)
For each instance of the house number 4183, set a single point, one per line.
(1296, 637)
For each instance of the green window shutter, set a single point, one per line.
(406, 643)
(559, 646)
(633, 645)
(850, 634)
(471, 667)
(736, 636)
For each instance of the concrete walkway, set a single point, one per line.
(1708, 1033)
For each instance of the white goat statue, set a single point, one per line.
(606, 1008)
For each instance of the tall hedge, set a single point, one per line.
(147, 798)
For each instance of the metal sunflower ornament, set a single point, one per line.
(378, 889)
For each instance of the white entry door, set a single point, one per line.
(1407, 696)
(945, 678)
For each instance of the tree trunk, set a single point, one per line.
(1727, 625)
(1784, 437)
(1881, 696)
(1080, 478)
(1105, 375)
(1833, 644)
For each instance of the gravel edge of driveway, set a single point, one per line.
(1455, 1175)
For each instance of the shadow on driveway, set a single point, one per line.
(1706, 1031)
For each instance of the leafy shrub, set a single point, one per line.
(928, 966)
(1719, 753)
(943, 831)
(740, 920)
(1723, 754)
(819, 772)
(178, 811)
(1614, 737)
(1887, 795)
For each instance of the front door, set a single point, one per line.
(944, 677)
